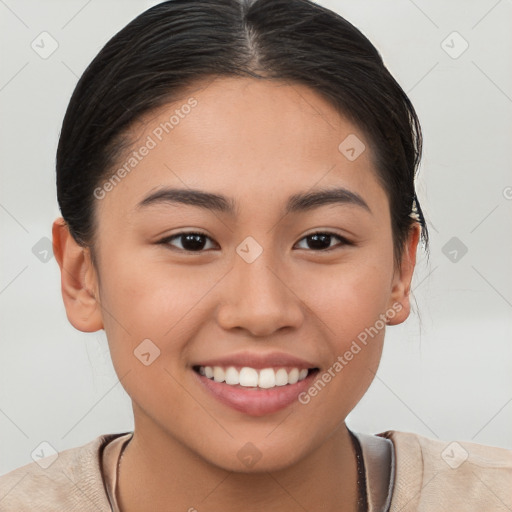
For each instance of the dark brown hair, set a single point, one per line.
(176, 43)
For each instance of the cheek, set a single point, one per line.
(349, 307)
(348, 303)
(153, 302)
(143, 299)
(347, 299)
(151, 297)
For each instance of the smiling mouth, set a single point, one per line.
(247, 377)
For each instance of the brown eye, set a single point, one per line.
(321, 241)
(188, 241)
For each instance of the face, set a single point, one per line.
(271, 276)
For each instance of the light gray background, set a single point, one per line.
(449, 378)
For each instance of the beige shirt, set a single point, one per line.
(405, 472)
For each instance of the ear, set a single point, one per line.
(401, 287)
(79, 283)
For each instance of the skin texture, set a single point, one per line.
(257, 142)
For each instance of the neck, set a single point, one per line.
(157, 470)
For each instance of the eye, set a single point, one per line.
(188, 241)
(321, 241)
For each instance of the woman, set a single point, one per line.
(236, 182)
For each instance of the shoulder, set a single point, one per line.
(71, 479)
(431, 474)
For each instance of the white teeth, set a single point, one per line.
(232, 376)
(267, 378)
(218, 374)
(281, 377)
(251, 378)
(293, 376)
(248, 377)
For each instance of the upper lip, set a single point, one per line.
(259, 361)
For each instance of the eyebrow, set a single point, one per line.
(296, 203)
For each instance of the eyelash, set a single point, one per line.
(342, 240)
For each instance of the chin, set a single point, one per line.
(253, 457)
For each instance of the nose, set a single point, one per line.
(259, 298)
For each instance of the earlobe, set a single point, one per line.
(79, 282)
(400, 302)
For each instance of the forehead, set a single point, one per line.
(246, 137)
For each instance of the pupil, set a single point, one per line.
(193, 242)
(319, 241)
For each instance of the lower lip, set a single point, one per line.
(256, 401)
